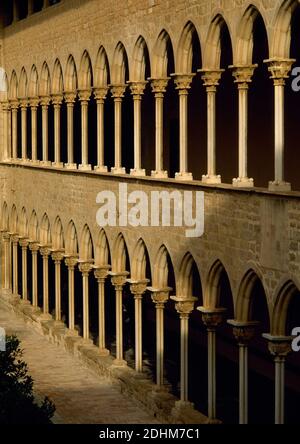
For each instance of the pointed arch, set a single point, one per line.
(23, 83)
(185, 51)
(139, 261)
(4, 217)
(71, 243)
(33, 88)
(281, 41)
(245, 294)
(71, 80)
(58, 235)
(186, 284)
(57, 78)
(13, 220)
(119, 70)
(120, 255)
(283, 299)
(86, 244)
(213, 287)
(212, 50)
(3, 84)
(45, 231)
(102, 254)
(13, 87)
(33, 227)
(163, 51)
(85, 76)
(23, 225)
(101, 71)
(45, 81)
(140, 61)
(161, 268)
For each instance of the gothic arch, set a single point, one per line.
(281, 41)
(185, 50)
(58, 235)
(23, 223)
(163, 49)
(284, 294)
(85, 76)
(71, 75)
(33, 229)
(245, 294)
(212, 287)
(13, 87)
(86, 244)
(140, 60)
(13, 220)
(185, 279)
(119, 256)
(45, 231)
(33, 88)
(71, 244)
(57, 78)
(212, 50)
(45, 82)
(101, 70)
(119, 70)
(139, 261)
(161, 268)
(4, 217)
(102, 253)
(22, 90)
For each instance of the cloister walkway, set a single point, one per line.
(80, 396)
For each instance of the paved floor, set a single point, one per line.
(80, 396)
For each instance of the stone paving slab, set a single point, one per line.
(80, 396)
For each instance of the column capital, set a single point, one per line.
(137, 87)
(34, 246)
(23, 102)
(5, 105)
(211, 78)
(243, 74)
(14, 238)
(14, 104)
(100, 93)
(159, 85)
(23, 242)
(45, 100)
(118, 279)
(56, 99)
(84, 95)
(138, 287)
(33, 102)
(45, 250)
(212, 317)
(183, 81)
(279, 69)
(70, 96)
(85, 266)
(71, 261)
(184, 305)
(101, 272)
(117, 91)
(243, 331)
(159, 295)
(57, 255)
(279, 346)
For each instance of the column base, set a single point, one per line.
(159, 174)
(86, 341)
(45, 317)
(72, 332)
(35, 162)
(184, 176)
(45, 162)
(279, 186)
(24, 301)
(104, 352)
(137, 172)
(181, 407)
(58, 324)
(70, 166)
(101, 169)
(213, 180)
(243, 182)
(57, 164)
(85, 167)
(118, 170)
(119, 363)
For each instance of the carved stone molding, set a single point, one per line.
(159, 295)
(138, 288)
(69, 97)
(57, 256)
(57, 99)
(100, 93)
(34, 102)
(117, 91)
(212, 317)
(45, 250)
(85, 266)
(34, 246)
(23, 242)
(119, 279)
(184, 305)
(211, 78)
(71, 261)
(243, 74)
(84, 95)
(279, 346)
(159, 85)
(243, 331)
(45, 101)
(137, 88)
(279, 69)
(101, 272)
(183, 81)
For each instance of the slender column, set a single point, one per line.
(57, 256)
(15, 11)
(118, 94)
(34, 248)
(24, 245)
(15, 242)
(57, 101)
(100, 96)
(23, 105)
(211, 81)
(211, 318)
(45, 252)
(30, 7)
(46, 4)
(14, 128)
(45, 100)
(7, 260)
(279, 347)
(33, 103)
(137, 91)
(243, 76)
(159, 88)
(183, 82)
(279, 69)
(101, 273)
(70, 100)
(138, 288)
(84, 97)
(85, 267)
(243, 333)
(118, 280)
(5, 107)
(159, 297)
(184, 306)
(71, 262)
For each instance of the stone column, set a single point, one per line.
(137, 91)
(279, 69)
(7, 260)
(101, 273)
(243, 76)
(211, 81)
(183, 82)
(33, 103)
(84, 97)
(24, 245)
(34, 248)
(57, 101)
(118, 94)
(5, 107)
(118, 280)
(184, 306)
(71, 262)
(14, 128)
(159, 297)
(46, 4)
(45, 252)
(159, 88)
(211, 317)
(85, 267)
(23, 105)
(279, 347)
(100, 96)
(138, 288)
(70, 100)
(243, 333)
(30, 7)
(45, 100)
(15, 242)
(57, 256)
(15, 11)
